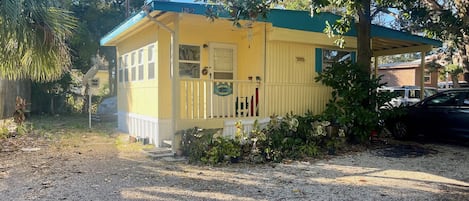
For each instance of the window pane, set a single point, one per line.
(189, 70)
(132, 59)
(121, 63)
(126, 61)
(427, 76)
(151, 70)
(333, 56)
(140, 57)
(150, 52)
(120, 75)
(414, 93)
(189, 52)
(134, 73)
(466, 100)
(94, 82)
(140, 72)
(126, 75)
(223, 59)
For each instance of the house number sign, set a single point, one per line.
(222, 89)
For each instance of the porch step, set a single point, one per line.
(159, 152)
(163, 153)
(167, 143)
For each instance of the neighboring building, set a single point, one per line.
(100, 82)
(177, 70)
(410, 73)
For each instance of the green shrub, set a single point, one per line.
(222, 150)
(355, 103)
(195, 143)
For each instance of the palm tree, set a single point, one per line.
(33, 42)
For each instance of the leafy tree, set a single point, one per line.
(351, 11)
(446, 20)
(454, 71)
(96, 18)
(295, 4)
(34, 39)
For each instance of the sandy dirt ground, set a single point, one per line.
(67, 161)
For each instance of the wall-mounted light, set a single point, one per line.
(250, 78)
(258, 78)
(205, 46)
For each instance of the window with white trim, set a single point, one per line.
(334, 56)
(140, 64)
(151, 62)
(95, 82)
(427, 76)
(189, 61)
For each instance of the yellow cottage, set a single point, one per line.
(178, 70)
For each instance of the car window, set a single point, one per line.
(400, 93)
(430, 92)
(444, 99)
(466, 100)
(414, 93)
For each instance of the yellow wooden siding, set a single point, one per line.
(164, 100)
(197, 30)
(290, 85)
(281, 99)
(139, 96)
(251, 52)
(290, 63)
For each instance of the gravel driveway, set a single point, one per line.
(107, 167)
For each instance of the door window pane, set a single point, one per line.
(223, 59)
(222, 76)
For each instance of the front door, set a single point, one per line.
(223, 59)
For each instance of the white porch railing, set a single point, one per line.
(209, 99)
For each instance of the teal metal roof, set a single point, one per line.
(122, 27)
(298, 20)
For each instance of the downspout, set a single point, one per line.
(174, 69)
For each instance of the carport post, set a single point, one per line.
(422, 76)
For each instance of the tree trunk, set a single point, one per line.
(364, 36)
(9, 90)
(462, 9)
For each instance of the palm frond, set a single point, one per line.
(35, 39)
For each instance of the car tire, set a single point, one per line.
(400, 130)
